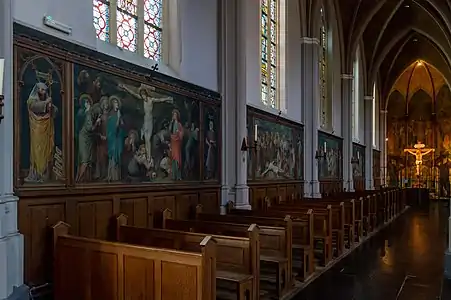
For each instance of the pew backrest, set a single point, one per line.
(87, 268)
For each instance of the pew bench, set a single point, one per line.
(235, 256)
(337, 222)
(86, 268)
(271, 244)
(268, 258)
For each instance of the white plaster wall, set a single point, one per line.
(199, 34)
(250, 28)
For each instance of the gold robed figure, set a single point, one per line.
(41, 113)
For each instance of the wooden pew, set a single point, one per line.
(270, 245)
(321, 227)
(349, 216)
(338, 218)
(280, 264)
(236, 257)
(86, 269)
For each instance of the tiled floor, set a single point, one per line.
(404, 261)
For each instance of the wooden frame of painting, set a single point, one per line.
(277, 136)
(79, 113)
(331, 167)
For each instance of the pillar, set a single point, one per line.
(368, 126)
(383, 145)
(241, 187)
(11, 241)
(346, 90)
(310, 98)
(227, 46)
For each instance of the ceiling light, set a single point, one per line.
(407, 6)
(415, 40)
(419, 63)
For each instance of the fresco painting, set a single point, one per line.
(130, 132)
(330, 164)
(40, 105)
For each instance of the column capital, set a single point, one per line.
(309, 40)
(347, 76)
(368, 97)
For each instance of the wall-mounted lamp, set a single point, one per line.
(2, 97)
(356, 160)
(245, 145)
(321, 153)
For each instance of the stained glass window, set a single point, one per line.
(323, 69)
(355, 96)
(374, 116)
(101, 12)
(127, 24)
(134, 25)
(269, 58)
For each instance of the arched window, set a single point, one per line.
(134, 25)
(323, 69)
(269, 52)
(374, 116)
(355, 97)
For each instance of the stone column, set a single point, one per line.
(346, 90)
(383, 145)
(227, 48)
(310, 98)
(368, 125)
(11, 241)
(241, 187)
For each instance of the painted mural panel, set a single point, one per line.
(358, 167)
(330, 164)
(300, 154)
(276, 151)
(377, 168)
(40, 104)
(132, 132)
(212, 150)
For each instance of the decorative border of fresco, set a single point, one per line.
(70, 54)
(336, 159)
(377, 168)
(358, 152)
(295, 132)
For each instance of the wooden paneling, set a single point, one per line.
(258, 191)
(330, 186)
(90, 215)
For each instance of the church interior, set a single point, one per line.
(225, 149)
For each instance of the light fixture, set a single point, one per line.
(321, 153)
(2, 70)
(245, 145)
(415, 40)
(50, 22)
(407, 6)
(419, 63)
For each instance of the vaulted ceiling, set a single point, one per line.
(393, 34)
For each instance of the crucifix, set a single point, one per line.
(419, 151)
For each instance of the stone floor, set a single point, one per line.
(404, 261)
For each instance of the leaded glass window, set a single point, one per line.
(101, 12)
(323, 69)
(355, 97)
(269, 58)
(134, 25)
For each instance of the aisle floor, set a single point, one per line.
(403, 261)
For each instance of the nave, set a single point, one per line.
(403, 261)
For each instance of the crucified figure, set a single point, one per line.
(148, 95)
(419, 153)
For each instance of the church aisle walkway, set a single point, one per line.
(404, 261)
